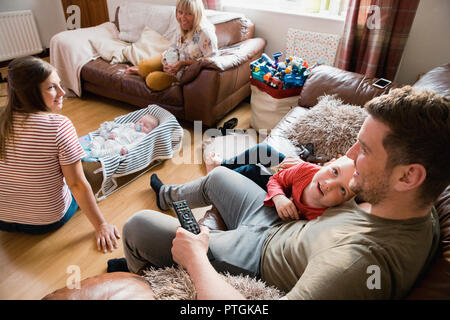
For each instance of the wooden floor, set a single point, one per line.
(33, 266)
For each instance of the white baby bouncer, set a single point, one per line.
(158, 145)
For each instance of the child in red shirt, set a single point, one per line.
(312, 188)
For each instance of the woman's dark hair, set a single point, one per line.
(419, 123)
(24, 94)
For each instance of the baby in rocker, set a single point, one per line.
(118, 138)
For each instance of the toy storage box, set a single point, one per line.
(269, 105)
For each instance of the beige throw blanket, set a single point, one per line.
(71, 50)
(150, 44)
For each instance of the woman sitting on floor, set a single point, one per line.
(40, 158)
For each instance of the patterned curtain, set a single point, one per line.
(213, 4)
(375, 35)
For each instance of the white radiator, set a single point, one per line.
(18, 35)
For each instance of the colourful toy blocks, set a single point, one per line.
(280, 75)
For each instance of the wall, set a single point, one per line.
(48, 14)
(50, 20)
(427, 46)
(273, 26)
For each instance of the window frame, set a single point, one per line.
(295, 7)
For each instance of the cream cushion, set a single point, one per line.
(331, 125)
(110, 49)
(150, 44)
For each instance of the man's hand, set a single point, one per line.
(190, 251)
(187, 247)
(286, 209)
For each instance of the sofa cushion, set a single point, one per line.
(331, 126)
(437, 80)
(134, 16)
(435, 284)
(112, 77)
(150, 44)
(110, 49)
(352, 88)
(100, 71)
(234, 31)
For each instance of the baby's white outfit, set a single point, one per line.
(125, 136)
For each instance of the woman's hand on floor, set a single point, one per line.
(107, 236)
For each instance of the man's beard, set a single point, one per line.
(372, 190)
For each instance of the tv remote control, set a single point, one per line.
(187, 219)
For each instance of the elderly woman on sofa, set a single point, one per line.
(196, 38)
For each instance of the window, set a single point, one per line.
(322, 8)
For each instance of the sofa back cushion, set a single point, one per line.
(437, 80)
(131, 18)
(435, 284)
(352, 88)
(230, 28)
(332, 127)
(234, 31)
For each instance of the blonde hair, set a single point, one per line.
(197, 9)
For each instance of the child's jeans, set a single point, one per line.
(250, 161)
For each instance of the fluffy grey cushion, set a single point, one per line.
(330, 125)
(173, 283)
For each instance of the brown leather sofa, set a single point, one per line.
(208, 90)
(352, 88)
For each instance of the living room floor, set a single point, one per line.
(33, 266)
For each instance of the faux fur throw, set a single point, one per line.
(173, 283)
(330, 125)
